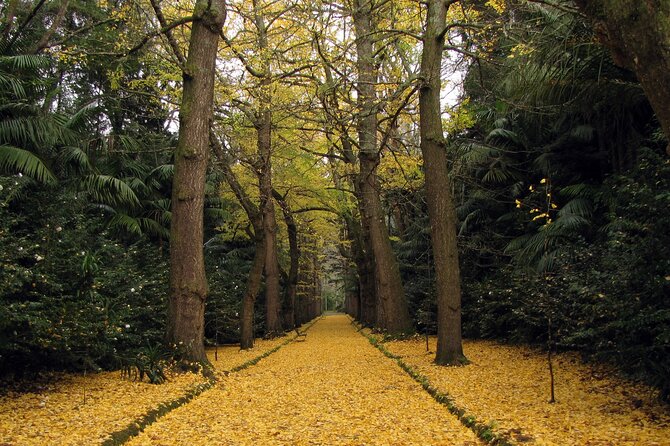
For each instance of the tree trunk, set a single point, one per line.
(392, 313)
(294, 254)
(256, 273)
(188, 284)
(249, 300)
(638, 36)
(441, 210)
(272, 290)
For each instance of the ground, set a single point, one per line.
(335, 388)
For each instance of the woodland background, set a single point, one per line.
(558, 171)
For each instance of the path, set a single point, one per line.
(332, 389)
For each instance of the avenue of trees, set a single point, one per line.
(176, 174)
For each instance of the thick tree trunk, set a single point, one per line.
(272, 289)
(263, 124)
(188, 284)
(638, 35)
(365, 263)
(392, 313)
(441, 211)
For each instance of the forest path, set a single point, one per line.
(332, 389)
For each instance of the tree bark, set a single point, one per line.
(188, 284)
(44, 40)
(249, 299)
(294, 255)
(273, 322)
(263, 124)
(441, 210)
(392, 313)
(637, 32)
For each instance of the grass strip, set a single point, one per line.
(136, 427)
(482, 430)
(133, 429)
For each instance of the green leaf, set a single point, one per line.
(16, 160)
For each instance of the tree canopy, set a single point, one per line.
(496, 168)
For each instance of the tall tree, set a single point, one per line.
(255, 217)
(392, 313)
(441, 210)
(638, 36)
(188, 284)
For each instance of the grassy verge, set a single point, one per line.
(482, 430)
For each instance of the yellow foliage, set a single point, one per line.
(85, 409)
(82, 409)
(498, 5)
(332, 389)
(460, 118)
(509, 386)
(401, 171)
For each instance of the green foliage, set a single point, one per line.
(151, 361)
(72, 296)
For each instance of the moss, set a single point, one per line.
(483, 431)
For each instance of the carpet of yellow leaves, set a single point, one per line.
(332, 389)
(84, 409)
(60, 415)
(509, 387)
(226, 357)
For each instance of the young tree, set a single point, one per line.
(441, 210)
(256, 219)
(188, 284)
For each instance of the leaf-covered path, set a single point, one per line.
(334, 388)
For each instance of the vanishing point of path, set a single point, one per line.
(333, 389)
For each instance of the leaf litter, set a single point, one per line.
(332, 389)
(508, 387)
(84, 409)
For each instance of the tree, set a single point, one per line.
(188, 284)
(392, 313)
(255, 217)
(638, 36)
(441, 210)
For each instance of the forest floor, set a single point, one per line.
(333, 387)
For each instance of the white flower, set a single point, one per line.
(58, 229)
(132, 290)
(127, 325)
(20, 248)
(20, 175)
(1, 187)
(38, 257)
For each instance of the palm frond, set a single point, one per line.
(125, 223)
(579, 206)
(163, 173)
(153, 228)
(75, 157)
(81, 116)
(16, 160)
(13, 84)
(25, 62)
(110, 190)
